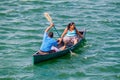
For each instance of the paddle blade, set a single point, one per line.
(48, 17)
(72, 53)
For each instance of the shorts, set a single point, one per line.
(70, 39)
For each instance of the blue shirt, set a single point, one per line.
(47, 43)
(71, 33)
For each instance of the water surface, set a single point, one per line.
(22, 24)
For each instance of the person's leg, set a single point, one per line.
(66, 41)
(75, 40)
(55, 48)
(63, 47)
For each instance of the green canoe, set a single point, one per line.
(37, 58)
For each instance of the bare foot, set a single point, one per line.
(62, 48)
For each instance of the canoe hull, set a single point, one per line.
(37, 58)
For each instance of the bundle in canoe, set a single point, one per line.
(37, 58)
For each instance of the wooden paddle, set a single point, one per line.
(50, 20)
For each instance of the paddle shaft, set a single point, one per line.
(50, 20)
(57, 31)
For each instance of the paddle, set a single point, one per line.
(50, 20)
(72, 53)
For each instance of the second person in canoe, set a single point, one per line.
(70, 35)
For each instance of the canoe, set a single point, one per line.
(37, 58)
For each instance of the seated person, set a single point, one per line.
(48, 42)
(70, 35)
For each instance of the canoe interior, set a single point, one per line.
(37, 58)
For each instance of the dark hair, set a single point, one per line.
(70, 24)
(50, 34)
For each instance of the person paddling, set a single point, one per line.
(48, 41)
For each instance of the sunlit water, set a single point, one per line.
(22, 25)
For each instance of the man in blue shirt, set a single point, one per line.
(48, 41)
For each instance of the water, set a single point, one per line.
(21, 30)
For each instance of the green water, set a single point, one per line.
(21, 30)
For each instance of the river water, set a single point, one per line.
(22, 25)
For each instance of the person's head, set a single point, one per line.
(50, 34)
(71, 26)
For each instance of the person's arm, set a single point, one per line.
(79, 33)
(48, 28)
(63, 34)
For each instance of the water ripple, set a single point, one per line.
(22, 25)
